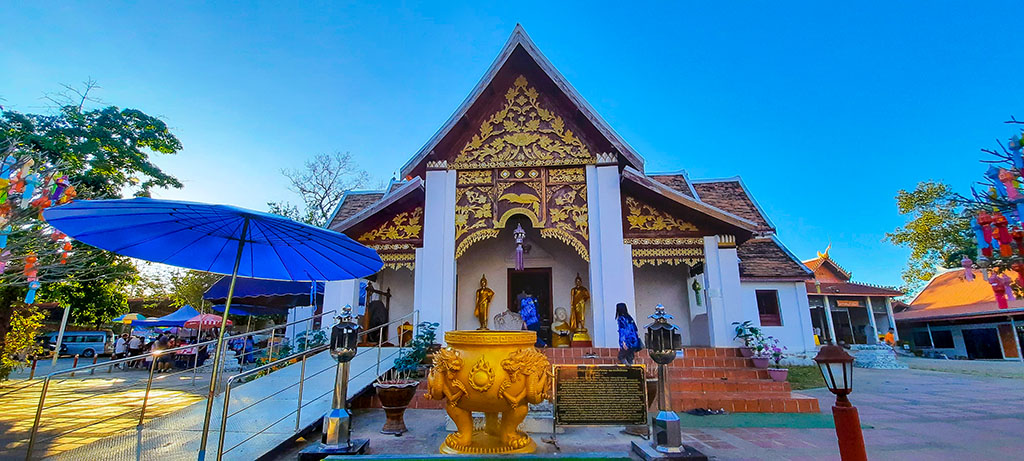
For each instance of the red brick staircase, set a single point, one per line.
(715, 378)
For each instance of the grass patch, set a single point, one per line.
(804, 377)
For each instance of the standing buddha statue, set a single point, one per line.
(484, 296)
(579, 296)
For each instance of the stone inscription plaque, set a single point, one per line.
(600, 395)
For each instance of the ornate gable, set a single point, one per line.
(397, 238)
(522, 133)
(659, 237)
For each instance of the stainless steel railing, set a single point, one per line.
(301, 357)
(152, 357)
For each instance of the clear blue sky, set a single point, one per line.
(825, 111)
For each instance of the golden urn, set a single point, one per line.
(498, 373)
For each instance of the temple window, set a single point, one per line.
(768, 308)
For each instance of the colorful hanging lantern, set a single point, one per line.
(1003, 235)
(520, 235)
(64, 254)
(993, 175)
(984, 222)
(30, 296)
(30, 270)
(968, 269)
(1006, 178)
(999, 290)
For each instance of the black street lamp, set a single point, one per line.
(663, 344)
(337, 426)
(836, 368)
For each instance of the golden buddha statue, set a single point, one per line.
(577, 321)
(562, 334)
(484, 296)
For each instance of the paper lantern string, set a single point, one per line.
(968, 268)
(30, 296)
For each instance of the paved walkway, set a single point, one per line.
(994, 368)
(263, 414)
(912, 414)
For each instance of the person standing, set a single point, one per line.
(629, 338)
(120, 348)
(134, 349)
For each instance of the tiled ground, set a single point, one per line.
(913, 414)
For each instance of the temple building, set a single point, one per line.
(527, 174)
(857, 313)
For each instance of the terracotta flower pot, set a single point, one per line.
(746, 352)
(394, 398)
(761, 362)
(778, 374)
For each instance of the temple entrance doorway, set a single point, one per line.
(536, 282)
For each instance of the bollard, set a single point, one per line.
(92, 370)
(74, 365)
(32, 374)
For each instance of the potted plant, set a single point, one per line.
(776, 353)
(398, 386)
(761, 351)
(750, 335)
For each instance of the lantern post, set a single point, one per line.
(663, 344)
(337, 425)
(837, 370)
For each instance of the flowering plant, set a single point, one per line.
(776, 352)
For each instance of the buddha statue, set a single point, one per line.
(484, 296)
(579, 296)
(561, 333)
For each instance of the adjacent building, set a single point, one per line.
(525, 150)
(956, 318)
(846, 311)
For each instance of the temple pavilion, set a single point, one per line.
(525, 150)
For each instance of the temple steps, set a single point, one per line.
(710, 378)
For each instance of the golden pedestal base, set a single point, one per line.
(487, 444)
(582, 339)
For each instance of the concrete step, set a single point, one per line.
(746, 402)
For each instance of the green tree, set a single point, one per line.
(19, 341)
(321, 184)
(105, 153)
(188, 287)
(937, 231)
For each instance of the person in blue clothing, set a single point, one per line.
(249, 346)
(528, 311)
(629, 338)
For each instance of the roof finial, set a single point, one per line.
(825, 254)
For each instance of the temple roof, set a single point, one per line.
(353, 202)
(850, 288)
(950, 296)
(678, 181)
(731, 195)
(768, 258)
(714, 218)
(520, 49)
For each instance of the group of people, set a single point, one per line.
(134, 345)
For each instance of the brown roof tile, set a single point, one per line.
(765, 258)
(850, 288)
(675, 181)
(354, 203)
(729, 196)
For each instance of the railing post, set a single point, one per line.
(380, 341)
(224, 418)
(149, 385)
(39, 415)
(302, 380)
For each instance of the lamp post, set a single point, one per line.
(337, 425)
(837, 370)
(663, 342)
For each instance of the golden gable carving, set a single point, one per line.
(523, 133)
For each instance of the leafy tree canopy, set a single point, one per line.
(937, 231)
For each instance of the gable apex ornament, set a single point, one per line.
(437, 165)
(523, 133)
(607, 158)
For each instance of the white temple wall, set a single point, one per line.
(493, 257)
(796, 332)
(665, 285)
(400, 281)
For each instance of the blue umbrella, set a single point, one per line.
(248, 309)
(215, 238)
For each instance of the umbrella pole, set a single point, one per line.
(220, 342)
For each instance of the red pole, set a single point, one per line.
(74, 364)
(32, 374)
(94, 358)
(851, 439)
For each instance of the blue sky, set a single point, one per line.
(824, 110)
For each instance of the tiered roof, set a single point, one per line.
(831, 279)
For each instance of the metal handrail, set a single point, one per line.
(151, 354)
(225, 414)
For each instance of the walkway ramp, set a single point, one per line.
(262, 414)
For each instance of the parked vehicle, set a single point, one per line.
(84, 343)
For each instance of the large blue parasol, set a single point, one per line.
(215, 238)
